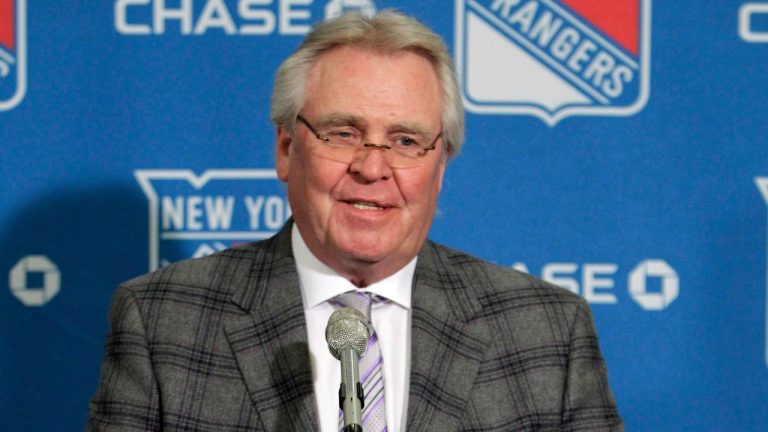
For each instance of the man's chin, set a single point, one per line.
(364, 268)
(366, 256)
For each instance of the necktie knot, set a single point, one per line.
(361, 301)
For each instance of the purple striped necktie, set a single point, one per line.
(371, 376)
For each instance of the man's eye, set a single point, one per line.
(343, 134)
(406, 142)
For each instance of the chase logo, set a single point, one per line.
(229, 17)
(750, 15)
(192, 216)
(13, 52)
(554, 58)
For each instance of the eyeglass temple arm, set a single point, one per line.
(300, 118)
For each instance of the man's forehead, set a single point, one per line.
(401, 87)
(337, 118)
(362, 50)
(359, 54)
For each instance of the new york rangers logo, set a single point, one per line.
(192, 216)
(13, 52)
(554, 58)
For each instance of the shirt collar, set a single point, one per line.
(319, 283)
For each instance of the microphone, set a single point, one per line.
(347, 334)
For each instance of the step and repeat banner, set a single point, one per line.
(617, 148)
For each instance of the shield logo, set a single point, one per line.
(192, 216)
(13, 52)
(554, 58)
(762, 184)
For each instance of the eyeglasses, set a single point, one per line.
(342, 143)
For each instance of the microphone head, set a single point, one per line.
(347, 327)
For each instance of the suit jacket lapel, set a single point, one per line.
(269, 339)
(447, 344)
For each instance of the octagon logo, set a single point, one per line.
(32, 296)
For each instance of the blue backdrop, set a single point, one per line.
(617, 148)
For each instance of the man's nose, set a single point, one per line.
(371, 164)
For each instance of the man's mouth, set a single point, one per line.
(364, 205)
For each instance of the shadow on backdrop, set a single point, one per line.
(50, 355)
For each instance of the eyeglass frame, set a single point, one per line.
(326, 139)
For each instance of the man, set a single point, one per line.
(367, 114)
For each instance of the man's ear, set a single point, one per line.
(283, 150)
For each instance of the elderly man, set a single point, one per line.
(367, 114)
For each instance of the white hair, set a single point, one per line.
(388, 31)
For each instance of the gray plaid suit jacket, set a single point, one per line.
(220, 344)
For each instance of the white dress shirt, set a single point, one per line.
(391, 320)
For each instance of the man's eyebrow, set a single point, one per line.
(411, 129)
(340, 119)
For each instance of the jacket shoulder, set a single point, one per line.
(210, 280)
(494, 281)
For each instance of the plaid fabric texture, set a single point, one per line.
(220, 344)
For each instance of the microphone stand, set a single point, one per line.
(351, 398)
(347, 334)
